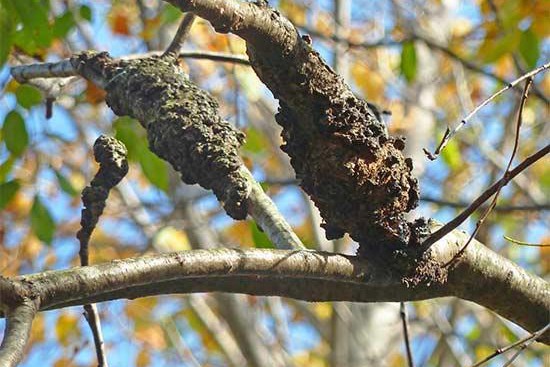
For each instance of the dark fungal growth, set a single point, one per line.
(354, 172)
(182, 122)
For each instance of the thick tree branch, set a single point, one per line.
(480, 275)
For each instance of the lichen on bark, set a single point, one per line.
(182, 122)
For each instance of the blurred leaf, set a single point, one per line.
(369, 81)
(170, 14)
(85, 12)
(66, 328)
(408, 61)
(126, 131)
(65, 184)
(28, 96)
(63, 24)
(7, 28)
(452, 156)
(8, 191)
(529, 47)
(143, 358)
(155, 169)
(14, 133)
(94, 94)
(42, 222)
(170, 239)
(260, 238)
(294, 11)
(492, 49)
(5, 167)
(119, 21)
(34, 15)
(255, 141)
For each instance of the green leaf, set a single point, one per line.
(6, 166)
(14, 133)
(155, 169)
(28, 96)
(170, 14)
(8, 191)
(65, 184)
(451, 155)
(255, 141)
(126, 130)
(7, 29)
(85, 12)
(408, 61)
(42, 222)
(529, 47)
(260, 239)
(499, 47)
(63, 24)
(34, 15)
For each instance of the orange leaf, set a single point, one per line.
(94, 95)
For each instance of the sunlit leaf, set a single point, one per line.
(155, 169)
(126, 131)
(66, 328)
(65, 184)
(63, 24)
(28, 96)
(408, 61)
(34, 15)
(42, 222)
(8, 191)
(452, 156)
(14, 133)
(143, 358)
(170, 239)
(260, 239)
(529, 47)
(85, 12)
(7, 28)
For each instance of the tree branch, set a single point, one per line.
(480, 275)
(18, 326)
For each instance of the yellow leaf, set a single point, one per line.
(170, 239)
(141, 307)
(323, 310)
(38, 328)
(293, 11)
(63, 362)
(143, 358)
(370, 82)
(66, 328)
(151, 334)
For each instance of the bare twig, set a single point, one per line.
(183, 29)
(498, 208)
(111, 155)
(63, 68)
(441, 232)
(517, 242)
(506, 172)
(404, 322)
(522, 344)
(447, 136)
(16, 335)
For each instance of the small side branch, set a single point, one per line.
(404, 322)
(522, 344)
(182, 32)
(448, 135)
(506, 172)
(458, 220)
(18, 326)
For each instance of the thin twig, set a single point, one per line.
(517, 242)
(181, 34)
(498, 208)
(448, 135)
(525, 341)
(64, 68)
(441, 232)
(506, 172)
(404, 322)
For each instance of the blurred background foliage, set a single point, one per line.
(428, 62)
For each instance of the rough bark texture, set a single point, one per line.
(182, 122)
(353, 171)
